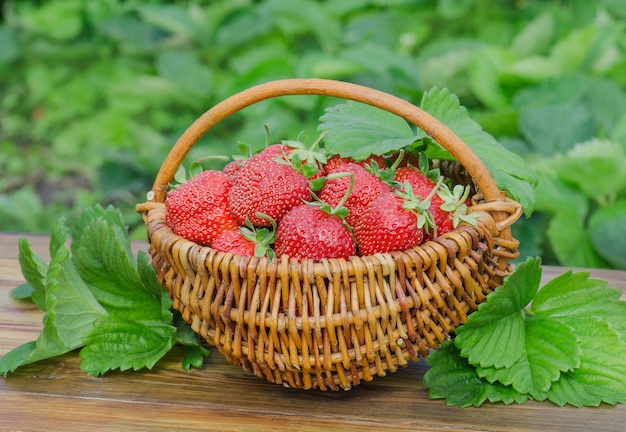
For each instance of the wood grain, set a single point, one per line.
(56, 395)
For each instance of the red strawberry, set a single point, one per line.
(307, 231)
(366, 188)
(232, 168)
(268, 185)
(422, 187)
(386, 226)
(444, 204)
(234, 241)
(198, 209)
(247, 240)
(421, 184)
(337, 160)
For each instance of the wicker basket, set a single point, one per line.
(333, 323)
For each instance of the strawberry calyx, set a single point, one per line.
(454, 202)
(419, 204)
(386, 174)
(304, 160)
(263, 238)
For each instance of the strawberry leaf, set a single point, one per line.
(571, 241)
(573, 345)
(70, 304)
(596, 167)
(550, 349)
(99, 299)
(574, 294)
(499, 322)
(34, 270)
(601, 376)
(510, 172)
(118, 343)
(607, 234)
(453, 378)
(357, 130)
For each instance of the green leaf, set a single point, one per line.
(573, 294)
(608, 236)
(596, 167)
(536, 37)
(9, 48)
(601, 376)
(195, 352)
(70, 304)
(484, 77)
(117, 343)
(106, 265)
(16, 357)
(510, 172)
(111, 215)
(358, 130)
(554, 194)
(71, 310)
(453, 378)
(308, 16)
(183, 68)
(540, 126)
(34, 269)
(499, 321)
(47, 345)
(194, 356)
(57, 20)
(565, 91)
(24, 292)
(148, 276)
(607, 101)
(571, 241)
(550, 349)
(171, 18)
(100, 299)
(533, 69)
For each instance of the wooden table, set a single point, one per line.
(56, 395)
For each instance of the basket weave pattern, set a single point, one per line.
(333, 323)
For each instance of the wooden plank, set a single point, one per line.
(56, 395)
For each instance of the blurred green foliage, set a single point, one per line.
(94, 93)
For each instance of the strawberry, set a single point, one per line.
(366, 188)
(446, 208)
(386, 226)
(267, 184)
(234, 241)
(439, 222)
(232, 168)
(308, 231)
(247, 240)
(198, 209)
(421, 184)
(337, 160)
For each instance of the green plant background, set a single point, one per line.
(94, 93)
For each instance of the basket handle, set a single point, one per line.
(323, 87)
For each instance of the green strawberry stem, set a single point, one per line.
(213, 157)
(339, 210)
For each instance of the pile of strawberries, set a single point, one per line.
(289, 200)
